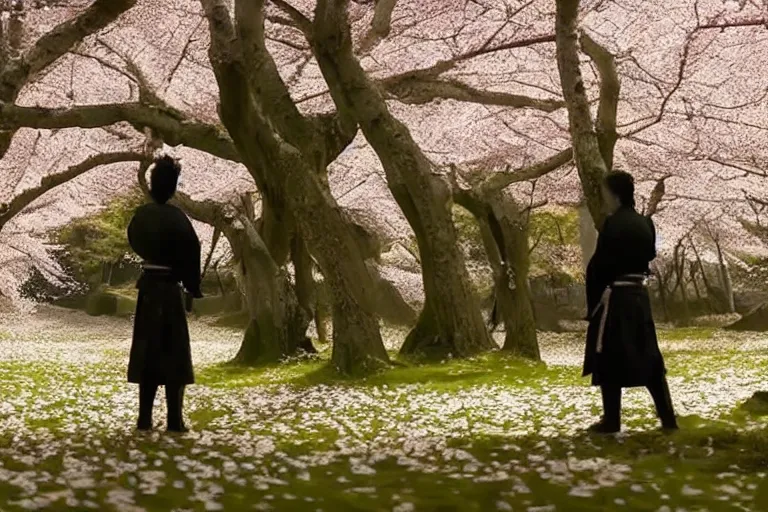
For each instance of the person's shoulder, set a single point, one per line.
(169, 209)
(144, 209)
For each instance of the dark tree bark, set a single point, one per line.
(725, 278)
(286, 171)
(712, 296)
(504, 231)
(679, 262)
(515, 300)
(662, 279)
(278, 322)
(588, 150)
(451, 321)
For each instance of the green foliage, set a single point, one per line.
(558, 228)
(468, 233)
(93, 242)
(554, 237)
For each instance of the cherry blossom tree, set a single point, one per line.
(457, 102)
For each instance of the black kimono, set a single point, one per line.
(622, 349)
(162, 236)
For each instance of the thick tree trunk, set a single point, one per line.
(277, 322)
(358, 347)
(288, 178)
(587, 235)
(451, 321)
(516, 303)
(586, 147)
(505, 238)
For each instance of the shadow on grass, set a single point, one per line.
(495, 368)
(699, 457)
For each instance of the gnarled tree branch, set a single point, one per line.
(170, 124)
(589, 160)
(500, 181)
(21, 201)
(418, 91)
(18, 72)
(380, 25)
(609, 96)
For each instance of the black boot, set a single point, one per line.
(663, 401)
(174, 396)
(611, 421)
(147, 394)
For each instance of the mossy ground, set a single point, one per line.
(491, 433)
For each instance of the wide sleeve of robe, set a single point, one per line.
(163, 235)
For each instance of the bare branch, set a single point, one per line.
(58, 42)
(380, 25)
(170, 124)
(444, 66)
(609, 96)
(417, 91)
(21, 201)
(302, 22)
(501, 181)
(734, 24)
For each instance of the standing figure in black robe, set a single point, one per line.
(163, 237)
(622, 349)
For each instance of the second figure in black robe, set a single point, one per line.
(622, 348)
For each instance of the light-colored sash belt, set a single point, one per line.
(151, 266)
(605, 301)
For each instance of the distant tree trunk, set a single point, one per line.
(302, 265)
(679, 257)
(518, 312)
(218, 279)
(725, 279)
(451, 321)
(321, 321)
(16, 27)
(693, 271)
(662, 280)
(711, 294)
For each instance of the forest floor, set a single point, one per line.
(492, 433)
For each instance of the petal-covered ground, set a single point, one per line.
(492, 433)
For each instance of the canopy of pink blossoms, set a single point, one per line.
(692, 107)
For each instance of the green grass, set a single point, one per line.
(496, 368)
(687, 333)
(489, 433)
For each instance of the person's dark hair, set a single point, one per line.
(163, 179)
(622, 184)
